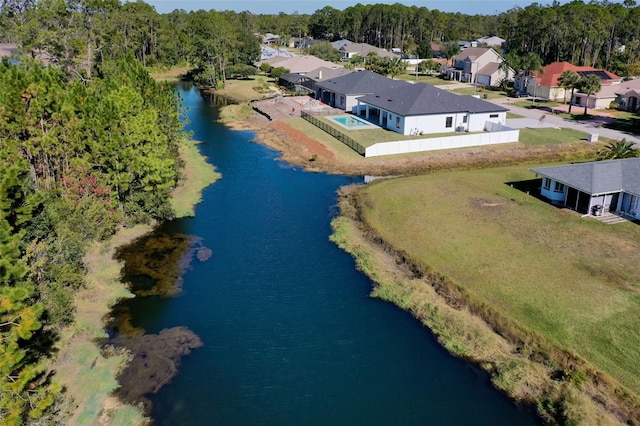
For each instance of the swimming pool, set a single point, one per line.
(351, 122)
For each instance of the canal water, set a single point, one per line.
(289, 334)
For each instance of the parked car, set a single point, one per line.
(519, 94)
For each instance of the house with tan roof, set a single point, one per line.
(628, 98)
(545, 84)
(8, 49)
(481, 65)
(349, 51)
(299, 64)
(626, 92)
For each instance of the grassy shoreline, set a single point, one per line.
(528, 367)
(88, 372)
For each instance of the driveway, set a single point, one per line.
(533, 119)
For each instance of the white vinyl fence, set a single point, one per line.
(495, 134)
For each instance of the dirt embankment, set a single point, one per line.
(299, 149)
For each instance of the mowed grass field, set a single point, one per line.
(574, 281)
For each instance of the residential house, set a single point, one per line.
(299, 64)
(481, 65)
(464, 44)
(628, 99)
(339, 43)
(301, 42)
(271, 39)
(492, 41)
(342, 92)
(590, 188)
(267, 52)
(349, 51)
(626, 92)
(423, 109)
(8, 49)
(545, 85)
(307, 82)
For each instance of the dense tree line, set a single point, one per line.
(79, 158)
(80, 36)
(602, 34)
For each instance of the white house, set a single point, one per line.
(342, 92)
(424, 109)
(599, 186)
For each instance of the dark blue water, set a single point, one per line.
(290, 334)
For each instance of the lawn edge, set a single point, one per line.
(519, 362)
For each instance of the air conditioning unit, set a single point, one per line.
(460, 129)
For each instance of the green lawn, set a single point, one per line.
(434, 80)
(551, 136)
(490, 94)
(529, 137)
(571, 280)
(514, 115)
(371, 137)
(529, 104)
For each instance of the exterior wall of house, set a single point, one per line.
(630, 205)
(439, 123)
(628, 102)
(558, 94)
(593, 102)
(338, 100)
(554, 191)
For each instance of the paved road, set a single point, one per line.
(533, 119)
(551, 120)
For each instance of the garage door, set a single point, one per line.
(484, 80)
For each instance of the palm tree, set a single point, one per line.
(618, 149)
(568, 80)
(531, 63)
(589, 85)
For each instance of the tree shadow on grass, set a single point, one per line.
(627, 125)
(532, 187)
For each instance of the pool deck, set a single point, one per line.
(365, 125)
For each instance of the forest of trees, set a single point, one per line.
(602, 34)
(91, 141)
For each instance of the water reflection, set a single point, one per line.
(153, 266)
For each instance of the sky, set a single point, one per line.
(469, 7)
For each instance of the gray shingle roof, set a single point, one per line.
(597, 177)
(360, 83)
(424, 99)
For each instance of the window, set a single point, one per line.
(493, 115)
(397, 122)
(341, 100)
(464, 119)
(559, 187)
(547, 183)
(449, 122)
